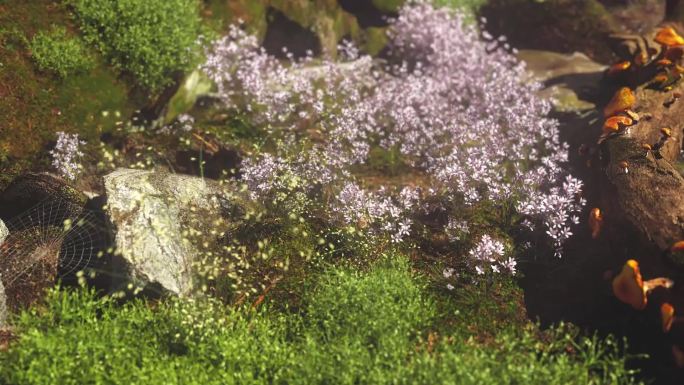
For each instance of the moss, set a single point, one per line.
(371, 327)
(94, 102)
(388, 5)
(251, 12)
(56, 52)
(374, 40)
(35, 105)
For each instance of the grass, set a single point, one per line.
(57, 53)
(372, 327)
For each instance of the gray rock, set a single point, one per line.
(3, 231)
(569, 78)
(3, 299)
(153, 214)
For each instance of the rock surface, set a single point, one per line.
(3, 231)
(569, 78)
(155, 215)
(3, 299)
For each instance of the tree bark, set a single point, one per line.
(644, 204)
(674, 10)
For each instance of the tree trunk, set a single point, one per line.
(674, 10)
(644, 201)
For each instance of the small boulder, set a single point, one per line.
(571, 80)
(157, 219)
(3, 231)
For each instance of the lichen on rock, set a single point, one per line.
(153, 215)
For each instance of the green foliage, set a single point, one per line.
(468, 5)
(152, 40)
(360, 328)
(469, 8)
(60, 54)
(388, 5)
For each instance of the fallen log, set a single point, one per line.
(647, 194)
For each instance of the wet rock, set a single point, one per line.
(3, 231)
(195, 85)
(571, 80)
(155, 216)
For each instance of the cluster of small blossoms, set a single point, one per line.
(278, 179)
(376, 211)
(457, 230)
(274, 93)
(490, 254)
(467, 119)
(452, 101)
(555, 208)
(66, 155)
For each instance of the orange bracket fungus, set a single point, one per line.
(667, 316)
(664, 63)
(623, 99)
(668, 37)
(615, 123)
(624, 166)
(595, 222)
(630, 288)
(647, 147)
(618, 68)
(678, 246)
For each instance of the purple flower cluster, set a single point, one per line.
(66, 154)
(489, 254)
(378, 212)
(279, 95)
(452, 101)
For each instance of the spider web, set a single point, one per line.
(54, 233)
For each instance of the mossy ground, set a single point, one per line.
(377, 326)
(35, 105)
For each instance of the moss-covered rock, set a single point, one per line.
(325, 18)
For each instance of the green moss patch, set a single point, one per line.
(354, 328)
